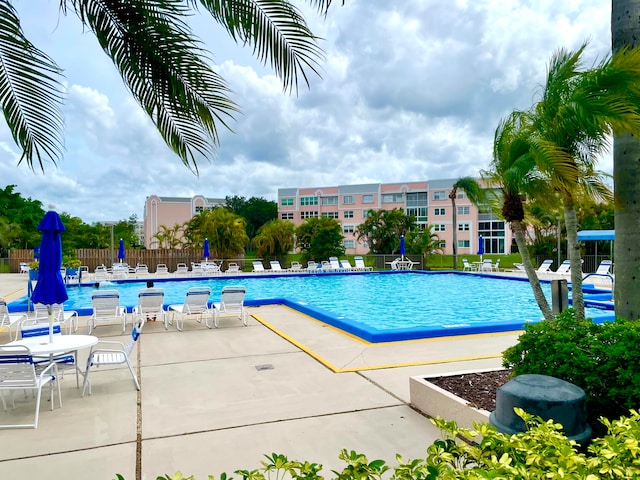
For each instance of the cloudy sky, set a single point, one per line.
(410, 90)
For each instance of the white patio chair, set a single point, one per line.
(142, 270)
(295, 267)
(233, 268)
(24, 267)
(312, 266)
(359, 264)
(18, 372)
(211, 268)
(66, 318)
(487, 265)
(107, 309)
(10, 320)
(181, 269)
(196, 305)
(162, 270)
(231, 304)
(466, 266)
(496, 266)
(150, 306)
(196, 269)
(118, 354)
(101, 273)
(258, 267)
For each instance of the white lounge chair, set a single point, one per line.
(345, 265)
(258, 267)
(10, 320)
(312, 266)
(107, 309)
(295, 267)
(276, 267)
(196, 269)
(181, 269)
(18, 372)
(545, 266)
(210, 268)
(150, 306)
(604, 268)
(101, 273)
(359, 264)
(162, 270)
(113, 356)
(564, 268)
(335, 264)
(231, 304)
(233, 268)
(142, 270)
(196, 305)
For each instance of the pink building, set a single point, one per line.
(169, 211)
(428, 202)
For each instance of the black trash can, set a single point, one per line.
(546, 397)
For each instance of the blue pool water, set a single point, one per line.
(375, 306)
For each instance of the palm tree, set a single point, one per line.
(571, 124)
(225, 230)
(161, 62)
(470, 187)
(513, 169)
(170, 237)
(275, 239)
(423, 242)
(625, 32)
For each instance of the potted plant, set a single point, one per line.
(72, 265)
(33, 270)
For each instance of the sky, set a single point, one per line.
(410, 90)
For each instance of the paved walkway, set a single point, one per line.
(213, 401)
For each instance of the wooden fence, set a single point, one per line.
(95, 257)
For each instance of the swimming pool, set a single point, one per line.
(376, 306)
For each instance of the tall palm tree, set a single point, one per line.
(474, 193)
(513, 169)
(275, 239)
(625, 32)
(572, 122)
(162, 63)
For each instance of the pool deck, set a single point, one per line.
(214, 401)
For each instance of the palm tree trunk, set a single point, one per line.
(538, 294)
(573, 248)
(454, 220)
(625, 30)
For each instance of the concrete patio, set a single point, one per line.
(214, 401)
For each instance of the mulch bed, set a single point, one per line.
(479, 389)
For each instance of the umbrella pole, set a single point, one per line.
(50, 316)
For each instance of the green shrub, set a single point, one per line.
(601, 359)
(540, 452)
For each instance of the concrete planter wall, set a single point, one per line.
(434, 401)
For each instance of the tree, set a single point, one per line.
(572, 122)
(383, 228)
(170, 237)
(161, 62)
(625, 32)
(24, 212)
(320, 238)
(275, 239)
(513, 170)
(470, 187)
(256, 211)
(423, 242)
(224, 229)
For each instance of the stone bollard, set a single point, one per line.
(543, 396)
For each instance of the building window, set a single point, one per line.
(463, 210)
(348, 214)
(439, 227)
(417, 199)
(287, 216)
(441, 195)
(348, 228)
(304, 215)
(367, 198)
(461, 194)
(330, 214)
(439, 212)
(463, 243)
(199, 209)
(442, 244)
(464, 227)
(393, 198)
(329, 200)
(348, 200)
(286, 202)
(349, 243)
(420, 213)
(365, 213)
(308, 200)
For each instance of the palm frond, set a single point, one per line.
(277, 31)
(31, 93)
(164, 67)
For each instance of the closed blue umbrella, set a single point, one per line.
(205, 253)
(402, 251)
(50, 288)
(121, 250)
(36, 253)
(480, 247)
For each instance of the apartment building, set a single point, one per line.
(428, 202)
(169, 211)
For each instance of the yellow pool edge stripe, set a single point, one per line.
(336, 369)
